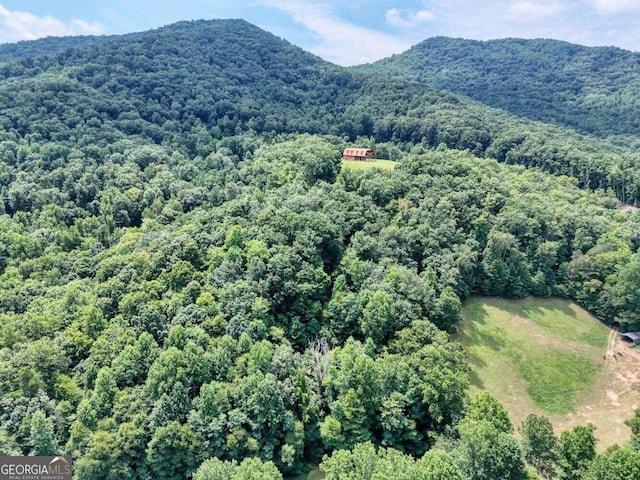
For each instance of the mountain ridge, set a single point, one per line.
(592, 89)
(53, 44)
(220, 77)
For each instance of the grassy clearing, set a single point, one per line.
(557, 379)
(549, 348)
(381, 164)
(550, 357)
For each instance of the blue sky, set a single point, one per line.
(344, 32)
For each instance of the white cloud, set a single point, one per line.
(397, 18)
(532, 12)
(16, 25)
(341, 42)
(611, 7)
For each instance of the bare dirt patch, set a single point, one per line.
(614, 397)
(625, 207)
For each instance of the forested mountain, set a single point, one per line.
(225, 75)
(206, 80)
(45, 46)
(592, 90)
(190, 284)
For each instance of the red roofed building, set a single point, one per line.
(360, 154)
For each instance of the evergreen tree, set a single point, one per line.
(42, 436)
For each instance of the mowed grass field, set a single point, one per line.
(549, 356)
(381, 164)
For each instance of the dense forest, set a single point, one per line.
(192, 286)
(592, 90)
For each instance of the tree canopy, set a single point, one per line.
(191, 285)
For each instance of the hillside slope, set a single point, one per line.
(218, 73)
(210, 79)
(593, 90)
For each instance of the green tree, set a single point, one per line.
(378, 316)
(576, 449)
(446, 314)
(114, 455)
(364, 462)
(331, 433)
(216, 469)
(634, 424)
(398, 428)
(172, 452)
(621, 464)
(249, 469)
(256, 469)
(42, 436)
(505, 267)
(539, 444)
(131, 366)
(348, 423)
(438, 465)
(485, 407)
(104, 392)
(260, 400)
(487, 453)
(626, 294)
(8, 446)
